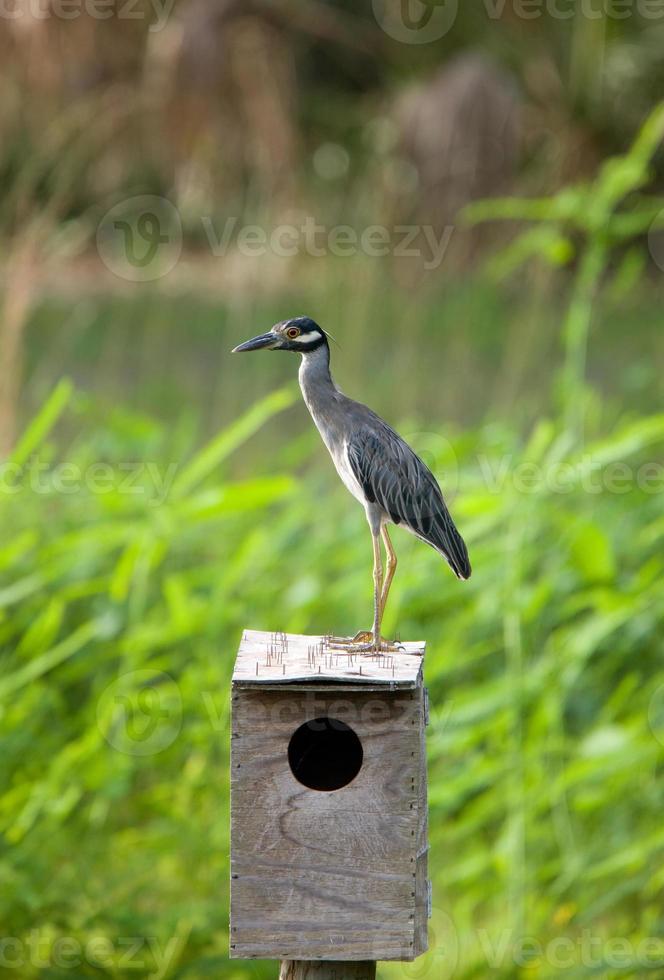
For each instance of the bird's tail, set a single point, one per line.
(446, 539)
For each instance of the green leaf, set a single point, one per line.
(43, 423)
(206, 461)
(592, 553)
(77, 640)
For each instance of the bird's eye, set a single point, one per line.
(292, 333)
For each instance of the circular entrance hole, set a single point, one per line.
(325, 754)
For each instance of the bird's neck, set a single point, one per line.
(315, 378)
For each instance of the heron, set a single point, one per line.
(374, 463)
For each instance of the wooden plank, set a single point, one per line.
(374, 942)
(334, 902)
(343, 840)
(277, 659)
(361, 941)
(377, 789)
(269, 714)
(422, 837)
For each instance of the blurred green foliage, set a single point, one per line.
(604, 215)
(121, 610)
(130, 560)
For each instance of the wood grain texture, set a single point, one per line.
(334, 875)
(277, 659)
(422, 863)
(327, 970)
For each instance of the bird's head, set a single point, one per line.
(300, 334)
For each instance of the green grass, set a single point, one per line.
(478, 350)
(120, 615)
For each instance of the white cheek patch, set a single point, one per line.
(308, 338)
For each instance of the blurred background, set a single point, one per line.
(471, 199)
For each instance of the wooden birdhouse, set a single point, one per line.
(328, 802)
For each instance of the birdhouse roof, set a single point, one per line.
(277, 660)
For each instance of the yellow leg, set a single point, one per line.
(378, 590)
(370, 641)
(391, 569)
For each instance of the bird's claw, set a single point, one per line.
(364, 642)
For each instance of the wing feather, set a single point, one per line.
(395, 478)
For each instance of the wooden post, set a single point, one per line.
(328, 807)
(327, 970)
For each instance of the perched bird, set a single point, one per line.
(374, 463)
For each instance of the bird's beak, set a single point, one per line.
(266, 341)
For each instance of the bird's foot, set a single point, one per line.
(364, 642)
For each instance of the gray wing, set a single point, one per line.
(393, 477)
